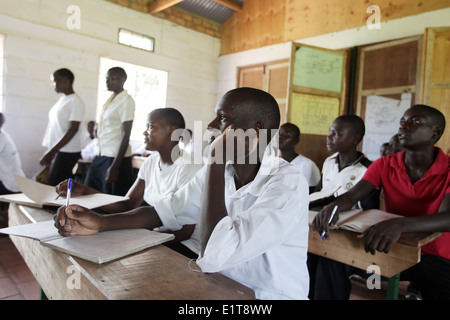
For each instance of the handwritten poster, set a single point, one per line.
(313, 114)
(382, 121)
(314, 68)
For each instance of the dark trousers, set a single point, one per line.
(329, 280)
(96, 175)
(62, 166)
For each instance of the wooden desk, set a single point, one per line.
(157, 273)
(345, 247)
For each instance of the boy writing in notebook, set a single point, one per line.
(416, 184)
(253, 215)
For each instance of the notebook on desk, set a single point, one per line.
(99, 248)
(36, 194)
(357, 220)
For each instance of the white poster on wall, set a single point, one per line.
(382, 121)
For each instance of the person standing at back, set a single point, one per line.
(111, 170)
(62, 136)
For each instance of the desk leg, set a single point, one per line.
(392, 289)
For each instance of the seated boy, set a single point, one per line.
(254, 215)
(289, 138)
(341, 171)
(416, 184)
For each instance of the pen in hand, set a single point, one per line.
(69, 192)
(329, 221)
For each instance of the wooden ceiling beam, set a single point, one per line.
(160, 5)
(233, 6)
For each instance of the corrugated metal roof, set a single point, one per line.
(209, 9)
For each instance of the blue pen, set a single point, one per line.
(69, 192)
(329, 221)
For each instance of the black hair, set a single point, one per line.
(171, 117)
(436, 115)
(118, 70)
(294, 129)
(2, 119)
(257, 104)
(66, 73)
(356, 123)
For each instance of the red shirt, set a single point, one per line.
(412, 200)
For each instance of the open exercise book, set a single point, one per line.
(36, 194)
(99, 248)
(357, 220)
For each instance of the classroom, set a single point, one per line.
(318, 59)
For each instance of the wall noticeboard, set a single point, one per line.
(317, 92)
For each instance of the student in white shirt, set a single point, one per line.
(161, 174)
(289, 138)
(340, 171)
(254, 216)
(111, 170)
(62, 136)
(9, 162)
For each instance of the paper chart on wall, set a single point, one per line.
(313, 114)
(314, 68)
(382, 121)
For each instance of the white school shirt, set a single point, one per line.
(346, 178)
(68, 108)
(160, 183)
(9, 162)
(115, 111)
(308, 168)
(263, 241)
(332, 178)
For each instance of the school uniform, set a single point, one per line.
(263, 241)
(68, 108)
(9, 164)
(345, 179)
(308, 168)
(115, 111)
(329, 278)
(162, 182)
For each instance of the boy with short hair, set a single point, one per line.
(289, 138)
(341, 171)
(416, 184)
(254, 215)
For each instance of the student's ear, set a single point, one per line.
(437, 133)
(259, 125)
(356, 139)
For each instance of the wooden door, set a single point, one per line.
(388, 82)
(271, 77)
(436, 76)
(317, 96)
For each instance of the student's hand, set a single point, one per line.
(77, 188)
(77, 220)
(46, 160)
(381, 236)
(321, 220)
(112, 174)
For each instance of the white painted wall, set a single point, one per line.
(38, 42)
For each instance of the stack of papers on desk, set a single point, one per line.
(36, 194)
(98, 248)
